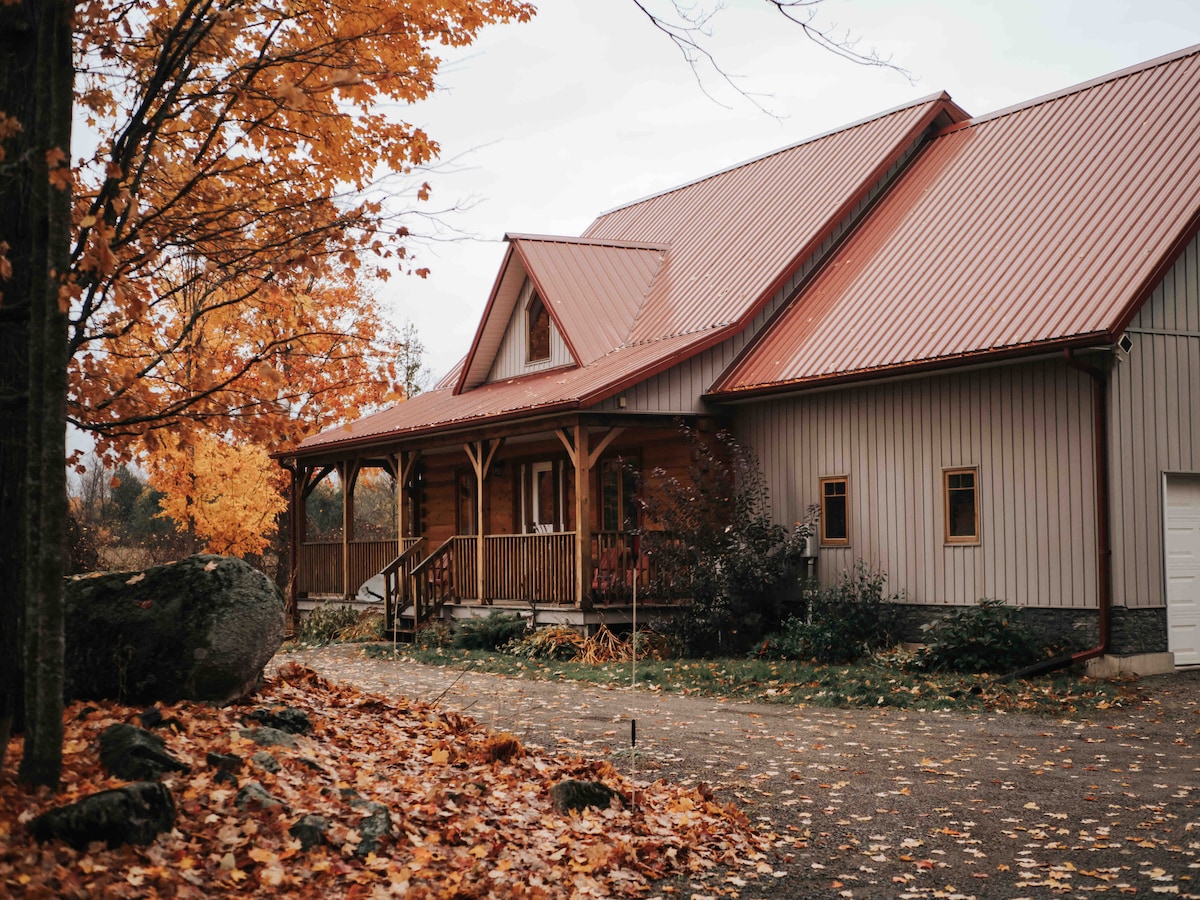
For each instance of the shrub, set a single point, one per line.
(839, 624)
(722, 549)
(988, 637)
(325, 623)
(491, 633)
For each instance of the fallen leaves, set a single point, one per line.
(469, 809)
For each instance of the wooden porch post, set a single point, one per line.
(584, 459)
(348, 473)
(402, 466)
(583, 517)
(481, 454)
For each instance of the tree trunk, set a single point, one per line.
(36, 88)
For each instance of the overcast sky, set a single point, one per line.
(544, 126)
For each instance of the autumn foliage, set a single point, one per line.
(249, 174)
(470, 810)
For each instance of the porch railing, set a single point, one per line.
(320, 569)
(529, 567)
(656, 572)
(396, 579)
(534, 567)
(431, 583)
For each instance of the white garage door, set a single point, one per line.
(1182, 526)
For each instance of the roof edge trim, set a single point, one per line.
(923, 366)
(512, 237)
(540, 290)
(469, 361)
(930, 98)
(1076, 88)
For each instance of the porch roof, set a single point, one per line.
(1040, 226)
(554, 390)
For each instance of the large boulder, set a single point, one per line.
(202, 628)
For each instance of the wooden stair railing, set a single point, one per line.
(430, 584)
(395, 583)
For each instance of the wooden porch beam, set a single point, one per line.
(564, 435)
(310, 482)
(438, 439)
(612, 435)
(402, 463)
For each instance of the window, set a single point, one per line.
(618, 488)
(538, 320)
(835, 512)
(467, 505)
(962, 506)
(542, 497)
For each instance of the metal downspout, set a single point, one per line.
(1103, 520)
(1103, 530)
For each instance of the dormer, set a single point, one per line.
(559, 302)
(532, 342)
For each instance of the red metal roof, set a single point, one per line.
(627, 311)
(736, 236)
(1042, 225)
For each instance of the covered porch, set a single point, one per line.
(563, 535)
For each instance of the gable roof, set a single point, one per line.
(690, 267)
(1040, 226)
(591, 289)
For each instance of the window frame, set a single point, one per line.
(960, 540)
(534, 304)
(827, 541)
(627, 508)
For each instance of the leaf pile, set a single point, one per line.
(471, 813)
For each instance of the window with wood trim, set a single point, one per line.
(538, 321)
(835, 511)
(467, 504)
(618, 491)
(961, 505)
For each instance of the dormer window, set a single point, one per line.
(538, 322)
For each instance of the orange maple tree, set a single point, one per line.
(241, 188)
(226, 495)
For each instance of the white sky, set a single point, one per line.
(544, 126)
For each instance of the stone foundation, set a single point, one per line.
(1131, 631)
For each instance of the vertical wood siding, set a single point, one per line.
(1155, 427)
(1028, 430)
(512, 359)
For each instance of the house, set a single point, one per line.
(974, 343)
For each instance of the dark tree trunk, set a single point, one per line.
(36, 88)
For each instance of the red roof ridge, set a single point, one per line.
(1127, 72)
(592, 242)
(920, 101)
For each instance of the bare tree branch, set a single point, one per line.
(690, 28)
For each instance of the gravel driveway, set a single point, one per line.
(886, 803)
